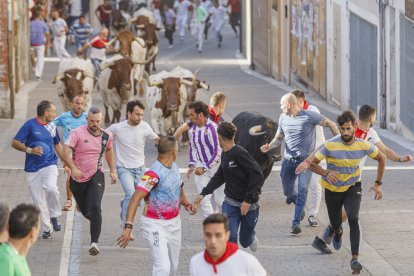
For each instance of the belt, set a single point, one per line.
(296, 159)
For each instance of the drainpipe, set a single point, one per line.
(383, 65)
(10, 42)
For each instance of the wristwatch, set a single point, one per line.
(378, 182)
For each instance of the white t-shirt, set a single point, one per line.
(217, 16)
(182, 7)
(240, 263)
(58, 27)
(130, 143)
(75, 7)
(373, 138)
(207, 5)
(319, 135)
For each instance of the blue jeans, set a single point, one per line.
(247, 224)
(129, 178)
(95, 63)
(288, 176)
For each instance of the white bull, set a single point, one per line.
(76, 77)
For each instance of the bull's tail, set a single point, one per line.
(141, 89)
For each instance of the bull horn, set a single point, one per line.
(146, 61)
(256, 131)
(186, 82)
(140, 26)
(204, 85)
(67, 75)
(195, 75)
(78, 75)
(112, 41)
(59, 77)
(150, 83)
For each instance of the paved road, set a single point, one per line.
(388, 225)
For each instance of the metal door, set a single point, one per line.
(406, 72)
(363, 61)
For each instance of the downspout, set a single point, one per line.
(10, 43)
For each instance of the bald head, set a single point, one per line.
(289, 98)
(289, 104)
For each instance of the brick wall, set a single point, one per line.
(4, 68)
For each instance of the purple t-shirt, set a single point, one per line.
(169, 17)
(38, 29)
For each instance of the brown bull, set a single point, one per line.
(118, 21)
(148, 32)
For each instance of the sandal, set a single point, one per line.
(67, 206)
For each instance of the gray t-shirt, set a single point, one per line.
(299, 133)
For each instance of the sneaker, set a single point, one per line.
(337, 240)
(94, 249)
(170, 46)
(38, 79)
(313, 222)
(356, 266)
(254, 244)
(219, 45)
(200, 51)
(295, 229)
(302, 216)
(56, 224)
(320, 245)
(46, 235)
(328, 234)
(289, 200)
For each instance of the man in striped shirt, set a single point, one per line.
(343, 154)
(82, 31)
(204, 155)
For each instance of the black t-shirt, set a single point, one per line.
(241, 173)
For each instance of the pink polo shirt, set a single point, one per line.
(86, 151)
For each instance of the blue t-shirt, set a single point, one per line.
(38, 29)
(68, 122)
(35, 134)
(299, 133)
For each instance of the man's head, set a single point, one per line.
(24, 223)
(216, 234)
(4, 218)
(104, 32)
(289, 104)
(106, 2)
(226, 132)
(82, 20)
(300, 97)
(46, 110)
(346, 122)
(218, 101)
(367, 114)
(77, 105)
(135, 112)
(55, 15)
(167, 146)
(197, 113)
(216, 3)
(94, 119)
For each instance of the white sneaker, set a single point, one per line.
(170, 46)
(255, 243)
(94, 249)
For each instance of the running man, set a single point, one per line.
(181, 7)
(162, 188)
(243, 180)
(69, 121)
(218, 13)
(129, 137)
(59, 30)
(39, 139)
(201, 15)
(343, 154)
(221, 256)
(87, 182)
(39, 43)
(204, 154)
(297, 129)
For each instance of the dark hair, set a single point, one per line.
(199, 107)
(42, 107)
(346, 116)
(22, 219)
(366, 111)
(4, 216)
(227, 130)
(217, 218)
(94, 110)
(82, 16)
(298, 93)
(166, 144)
(132, 104)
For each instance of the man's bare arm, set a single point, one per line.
(328, 123)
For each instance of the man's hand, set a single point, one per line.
(114, 177)
(76, 174)
(190, 208)
(244, 208)
(377, 189)
(332, 177)
(199, 171)
(302, 167)
(37, 151)
(190, 171)
(407, 158)
(197, 201)
(265, 148)
(124, 238)
(67, 169)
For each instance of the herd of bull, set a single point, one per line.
(124, 77)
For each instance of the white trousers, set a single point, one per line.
(182, 24)
(45, 194)
(211, 203)
(200, 35)
(164, 240)
(40, 59)
(314, 195)
(59, 43)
